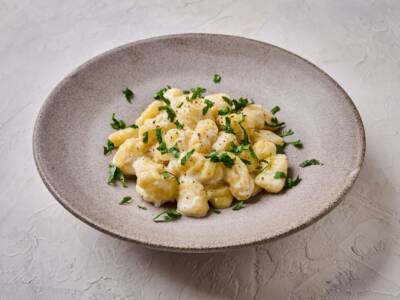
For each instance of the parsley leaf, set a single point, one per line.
(227, 126)
(309, 162)
(239, 205)
(117, 124)
(223, 157)
(109, 147)
(252, 153)
(160, 95)
(174, 151)
(180, 105)
(279, 175)
(240, 104)
(133, 126)
(284, 133)
(125, 200)
(237, 149)
(275, 109)
(142, 207)
(298, 144)
(216, 211)
(245, 161)
(170, 112)
(167, 215)
(227, 100)
(115, 174)
(224, 111)
(280, 149)
(178, 125)
(245, 140)
(274, 123)
(209, 104)
(167, 175)
(290, 182)
(196, 93)
(145, 137)
(128, 94)
(159, 135)
(187, 157)
(217, 78)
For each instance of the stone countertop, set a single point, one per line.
(352, 253)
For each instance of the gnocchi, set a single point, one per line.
(201, 151)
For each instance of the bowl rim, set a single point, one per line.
(360, 155)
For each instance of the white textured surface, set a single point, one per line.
(352, 253)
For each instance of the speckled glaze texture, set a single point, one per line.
(73, 125)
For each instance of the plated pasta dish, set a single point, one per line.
(200, 151)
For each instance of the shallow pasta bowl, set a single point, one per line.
(73, 124)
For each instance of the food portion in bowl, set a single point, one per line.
(199, 150)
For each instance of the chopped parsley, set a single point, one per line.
(162, 146)
(128, 94)
(227, 126)
(133, 126)
(252, 153)
(310, 162)
(117, 124)
(245, 161)
(167, 175)
(145, 137)
(159, 135)
(187, 157)
(196, 93)
(170, 112)
(209, 104)
(297, 144)
(274, 123)
(125, 200)
(279, 175)
(290, 182)
(167, 215)
(280, 149)
(227, 100)
(224, 111)
(115, 174)
(284, 133)
(142, 207)
(245, 140)
(239, 104)
(237, 149)
(109, 147)
(174, 151)
(275, 109)
(223, 157)
(217, 78)
(216, 211)
(160, 95)
(180, 105)
(239, 205)
(178, 125)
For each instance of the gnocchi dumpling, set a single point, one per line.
(120, 136)
(266, 179)
(241, 184)
(204, 136)
(192, 199)
(220, 197)
(126, 154)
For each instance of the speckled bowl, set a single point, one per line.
(73, 125)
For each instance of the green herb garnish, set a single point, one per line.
(224, 111)
(284, 133)
(209, 104)
(310, 162)
(125, 200)
(223, 157)
(279, 175)
(115, 174)
(227, 126)
(133, 126)
(167, 215)
(142, 207)
(128, 94)
(290, 182)
(145, 137)
(252, 153)
(280, 149)
(245, 140)
(217, 78)
(216, 211)
(239, 205)
(117, 124)
(159, 135)
(178, 125)
(109, 147)
(274, 123)
(275, 109)
(174, 151)
(237, 149)
(180, 105)
(162, 146)
(298, 144)
(187, 157)
(227, 100)
(196, 93)
(170, 112)
(160, 95)
(245, 161)
(167, 175)
(239, 104)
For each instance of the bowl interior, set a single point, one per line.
(73, 125)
